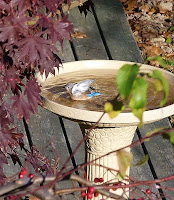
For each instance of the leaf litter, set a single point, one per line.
(152, 23)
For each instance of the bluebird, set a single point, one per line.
(78, 90)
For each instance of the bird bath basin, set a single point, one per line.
(110, 134)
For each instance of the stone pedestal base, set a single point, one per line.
(101, 141)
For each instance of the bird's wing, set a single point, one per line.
(82, 86)
(76, 90)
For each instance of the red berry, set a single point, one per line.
(149, 191)
(30, 175)
(117, 184)
(96, 194)
(83, 194)
(24, 171)
(114, 189)
(140, 199)
(96, 180)
(91, 189)
(101, 180)
(89, 195)
(21, 175)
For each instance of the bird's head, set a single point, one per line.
(69, 86)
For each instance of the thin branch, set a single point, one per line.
(78, 146)
(29, 185)
(97, 188)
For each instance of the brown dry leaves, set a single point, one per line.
(78, 35)
(151, 22)
(33, 198)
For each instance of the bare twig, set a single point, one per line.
(97, 189)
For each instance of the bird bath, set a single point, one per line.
(110, 134)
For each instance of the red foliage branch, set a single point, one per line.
(28, 32)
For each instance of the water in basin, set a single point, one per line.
(54, 90)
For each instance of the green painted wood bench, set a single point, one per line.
(108, 37)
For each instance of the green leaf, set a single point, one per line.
(114, 108)
(142, 161)
(125, 79)
(157, 75)
(139, 114)
(156, 130)
(169, 136)
(169, 40)
(139, 97)
(172, 28)
(124, 161)
(161, 61)
(158, 85)
(171, 63)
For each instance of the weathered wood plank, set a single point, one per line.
(116, 31)
(118, 43)
(161, 154)
(92, 46)
(80, 43)
(65, 54)
(47, 128)
(12, 169)
(122, 46)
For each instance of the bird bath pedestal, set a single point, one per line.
(110, 134)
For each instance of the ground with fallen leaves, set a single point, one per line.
(152, 23)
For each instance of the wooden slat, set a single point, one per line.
(122, 46)
(92, 46)
(108, 37)
(65, 54)
(12, 169)
(161, 153)
(116, 31)
(80, 43)
(45, 128)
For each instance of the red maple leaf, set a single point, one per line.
(34, 2)
(48, 169)
(11, 28)
(3, 86)
(11, 78)
(37, 160)
(32, 91)
(22, 4)
(5, 115)
(4, 6)
(69, 2)
(59, 29)
(34, 47)
(48, 66)
(3, 159)
(8, 32)
(2, 177)
(51, 5)
(15, 158)
(8, 138)
(22, 107)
